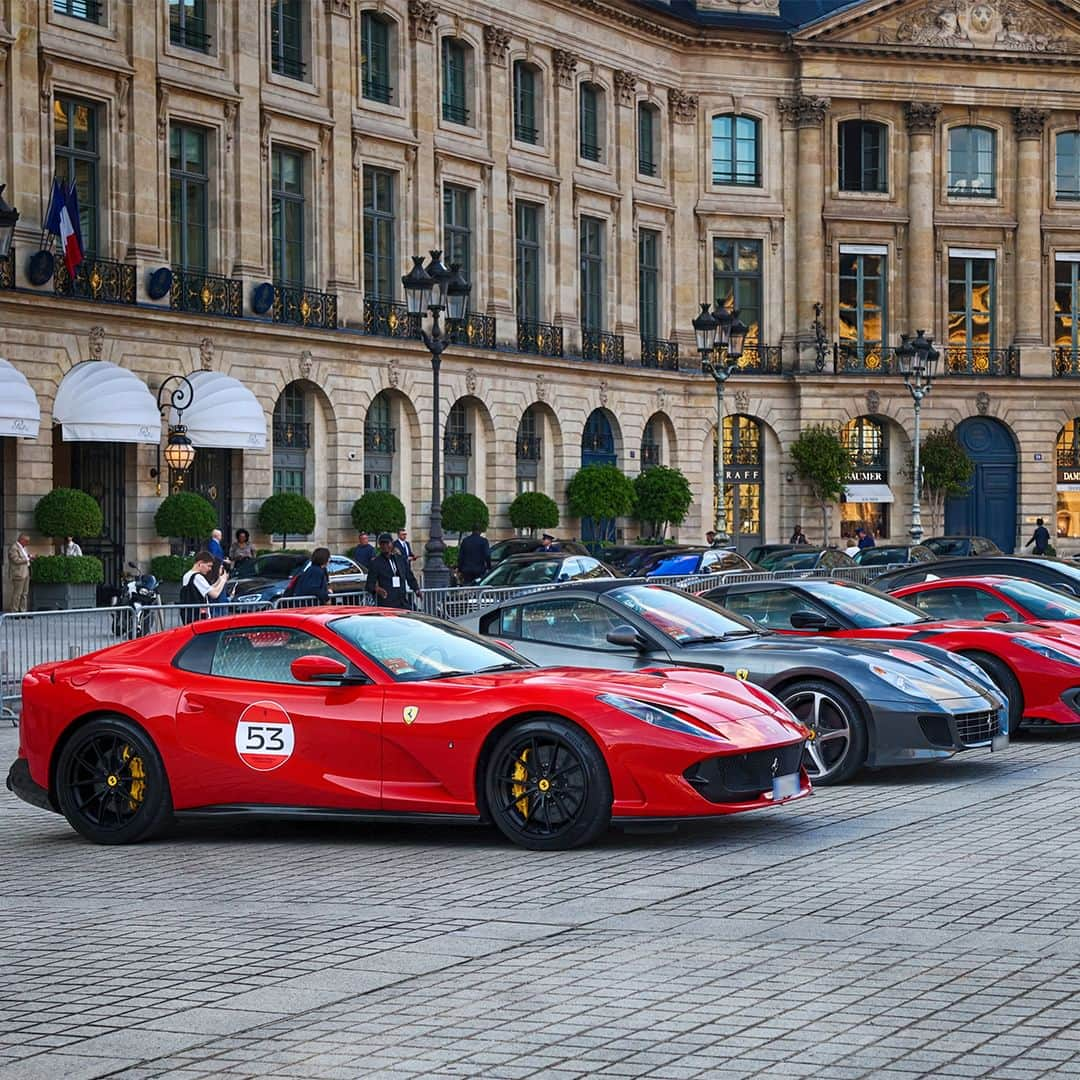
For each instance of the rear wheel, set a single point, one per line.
(547, 786)
(1006, 682)
(111, 784)
(837, 745)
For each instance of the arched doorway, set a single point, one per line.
(744, 479)
(597, 448)
(989, 506)
(867, 496)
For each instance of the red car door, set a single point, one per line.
(251, 733)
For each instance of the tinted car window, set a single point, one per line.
(339, 564)
(772, 608)
(1042, 601)
(533, 573)
(580, 623)
(943, 546)
(264, 654)
(590, 568)
(678, 615)
(676, 564)
(865, 607)
(791, 560)
(958, 602)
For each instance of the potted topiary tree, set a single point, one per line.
(187, 518)
(534, 510)
(66, 581)
(285, 513)
(662, 498)
(378, 511)
(600, 495)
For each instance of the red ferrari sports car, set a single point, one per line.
(1035, 665)
(992, 597)
(376, 714)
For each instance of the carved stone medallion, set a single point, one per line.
(873, 402)
(979, 24)
(982, 402)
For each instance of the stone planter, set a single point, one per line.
(61, 597)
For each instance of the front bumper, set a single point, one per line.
(21, 783)
(906, 736)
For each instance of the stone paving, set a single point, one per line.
(919, 922)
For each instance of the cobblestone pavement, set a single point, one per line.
(920, 922)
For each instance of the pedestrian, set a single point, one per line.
(1040, 538)
(18, 568)
(69, 547)
(214, 545)
(390, 578)
(798, 536)
(863, 538)
(314, 579)
(548, 543)
(403, 547)
(710, 538)
(364, 551)
(199, 586)
(241, 548)
(474, 556)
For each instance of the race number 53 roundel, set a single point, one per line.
(264, 736)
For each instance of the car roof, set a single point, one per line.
(542, 556)
(298, 616)
(787, 583)
(970, 579)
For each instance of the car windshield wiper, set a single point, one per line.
(510, 665)
(706, 639)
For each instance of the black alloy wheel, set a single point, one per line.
(547, 787)
(1003, 678)
(837, 745)
(111, 784)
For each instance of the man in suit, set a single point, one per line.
(18, 563)
(403, 547)
(474, 556)
(390, 580)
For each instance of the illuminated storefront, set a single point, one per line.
(867, 495)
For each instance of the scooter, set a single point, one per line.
(139, 592)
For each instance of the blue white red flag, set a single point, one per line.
(51, 224)
(70, 233)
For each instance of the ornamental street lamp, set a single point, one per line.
(432, 289)
(179, 450)
(918, 364)
(720, 336)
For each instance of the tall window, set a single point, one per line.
(648, 128)
(736, 157)
(380, 444)
(455, 65)
(287, 38)
(187, 24)
(971, 162)
(1067, 305)
(527, 243)
(862, 156)
(592, 273)
(375, 54)
(287, 216)
(590, 98)
(188, 188)
(971, 307)
(862, 306)
(1068, 165)
(866, 440)
(291, 441)
(76, 156)
(380, 228)
(90, 10)
(458, 448)
(526, 114)
(649, 283)
(529, 448)
(737, 281)
(457, 227)
(650, 445)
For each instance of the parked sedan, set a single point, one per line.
(627, 559)
(526, 545)
(694, 560)
(1057, 573)
(865, 703)
(545, 569)
(893, 555)
(272, 573)
(955, 547)
(993, 598)
(798, 557)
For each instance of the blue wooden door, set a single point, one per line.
(597, 448)
(989, 506)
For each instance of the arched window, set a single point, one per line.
(650, 445)
(591, 122)
(862, 156)
(743, 479)
(972, 162)
(292, 439)
(457, 448)
(378, 52)
(864, 438)
(648, 139)
(527, 103)
(598, 440)
(457, 79)
(1067, 173)
(528, 450)
(380, 444)
(736, 150)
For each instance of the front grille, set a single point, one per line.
(976, 729)
(742, 777)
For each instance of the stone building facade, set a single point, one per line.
(599, 167)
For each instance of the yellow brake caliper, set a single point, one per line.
(138, 777)
(521, 774)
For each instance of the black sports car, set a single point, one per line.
(1057, 573)
(866, 703)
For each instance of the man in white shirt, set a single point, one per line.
(18, 568)
(195, 585)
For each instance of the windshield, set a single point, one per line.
(1042, 601)
(413, 648)
(947, 545)
(678, 615)
(877, 556)
(677, 564)
(789, 560)
(865, 607)
(272, 566)
(521, 573)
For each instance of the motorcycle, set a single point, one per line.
(139, 592)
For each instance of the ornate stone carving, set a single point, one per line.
(625, 87)
(326, 142)
(45, 81)
(979, 24)
(206, 354)
(741, 7)
(162, 112)
(565, 65)
(340, 7)
(604, 392)
(96, 344)
(683, 106)
(306, 364)
(231, 109)
(422, 19)
(1029, 123)
(496, 45)
(123, 100)
(541, 387)
(921, 117)
(470, 380)
(742, 401)
(264, 135)
(982, 402)
(802, 111)
(357, 150)
(393, 376)
(873, 402)
(661, 398)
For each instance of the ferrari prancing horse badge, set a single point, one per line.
(409, 713)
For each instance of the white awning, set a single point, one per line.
(871, 493)
(99, 401)
(20, 413)
(223, 413)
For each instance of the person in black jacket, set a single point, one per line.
(314, 579)
(390, 578)
(363, 553)
(474, 556)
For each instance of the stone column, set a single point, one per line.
(1029, 124)
(564, 115)
(625, 147)
(249, 162)
(922, 118)
(427, 198)
(693, 281)
(498, 288)
(790, 164)
(143, 124)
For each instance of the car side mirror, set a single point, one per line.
(811, 620)
(626, 637)
(997, 616)
(325, 669)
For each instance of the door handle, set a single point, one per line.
(194, 707)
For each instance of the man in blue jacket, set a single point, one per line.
(474, 556)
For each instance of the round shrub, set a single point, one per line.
(185, 515)
(463, 512)
(534, 510)
(67, 570)
(378, 511)
(68, 512)
(287, 513)
(170, 567)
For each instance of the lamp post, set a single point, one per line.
(9, 218)
(720, 337)
(430, 290)
(179, 451)
(918, 363)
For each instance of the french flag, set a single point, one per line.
(70, 233)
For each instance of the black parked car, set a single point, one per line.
(1059, 573)
(792, 557)
(956, 547)
(265, 577)
(694, 560)
(627, 558)
(893, 555)
(545, 569)
(526, 545)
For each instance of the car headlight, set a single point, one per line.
(658, 717)
(1048, 652)
(911, 685)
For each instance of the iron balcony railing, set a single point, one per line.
(290, 436)
(528, 447)
(375, 90)
(386, 318)
(457, 443)
(864, 359)
(286, 61)
(1066, 361)
(103, 280)
(646, 167)
(7, 271)
(380, 439)
(980, 361)
(650, 455)
(305, 307)
(758, 360)
(207, 294)
(475, 330)
(602, 347)
(524, 133)
(656, 353)
(190, 35)
(541, 339)
(455, 113)
(90, 10)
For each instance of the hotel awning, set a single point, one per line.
(99, 401)
(223, 413)
(20, 414)
(868, 493)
